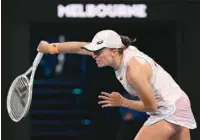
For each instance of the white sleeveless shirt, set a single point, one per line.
(166, 90)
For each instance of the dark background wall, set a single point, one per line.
(190, 66)
(16, 19)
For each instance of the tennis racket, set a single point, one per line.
(20, 92)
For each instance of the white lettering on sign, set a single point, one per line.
(102, 11)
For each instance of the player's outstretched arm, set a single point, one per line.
(65, 47)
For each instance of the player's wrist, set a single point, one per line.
(123, 102)
(53, 48)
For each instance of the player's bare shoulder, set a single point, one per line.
(137, 66)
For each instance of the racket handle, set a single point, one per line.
(37, 59)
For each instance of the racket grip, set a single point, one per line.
(37, 59)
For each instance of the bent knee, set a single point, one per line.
(161, 130)
(183, 133)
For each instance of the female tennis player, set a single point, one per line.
(160, 96)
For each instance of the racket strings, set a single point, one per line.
(19, 97)
(24, 89)
(16, 107)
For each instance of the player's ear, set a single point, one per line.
(114, 52)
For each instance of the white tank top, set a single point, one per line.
(166, 90)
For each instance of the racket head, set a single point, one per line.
(19, 98)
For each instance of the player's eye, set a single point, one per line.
(99, 51)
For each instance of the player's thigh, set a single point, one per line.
(161, 130)
(182, 134)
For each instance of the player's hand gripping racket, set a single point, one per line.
(20, 93)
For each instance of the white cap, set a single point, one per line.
(104, 39)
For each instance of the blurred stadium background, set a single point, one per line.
(66, 86)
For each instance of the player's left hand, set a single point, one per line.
(110, 100)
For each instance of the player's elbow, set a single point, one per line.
(153, 107)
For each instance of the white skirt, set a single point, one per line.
(181, 114)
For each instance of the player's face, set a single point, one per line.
(103, 57)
